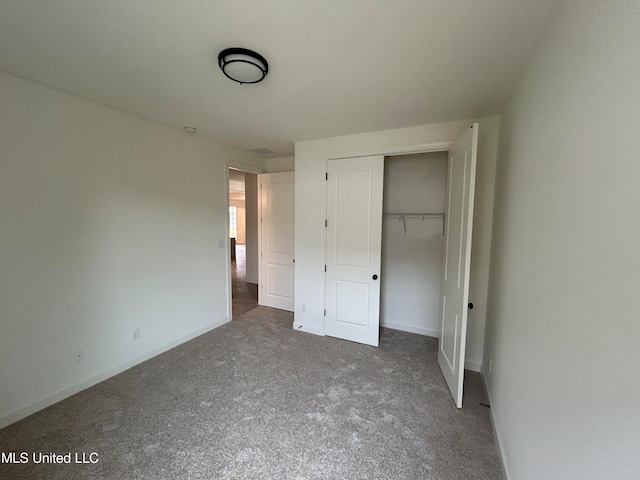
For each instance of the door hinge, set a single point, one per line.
(325, 312)
(325, 222)
(326, 176)
(325, 268)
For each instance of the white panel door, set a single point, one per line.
(276, 241)
(354, 237)
(457, 260)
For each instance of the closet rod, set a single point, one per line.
(402, 216)
(430, 214)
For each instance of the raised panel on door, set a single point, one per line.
(354, 231)
(277, 243)
(457, 260)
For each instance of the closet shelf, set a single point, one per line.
(429, 214)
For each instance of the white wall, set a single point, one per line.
(109, 223)
(310, 167)
(251, 205)
(283, 164)
(412, 260)
(564, 320)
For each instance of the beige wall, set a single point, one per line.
(564, 319)
(109, 224)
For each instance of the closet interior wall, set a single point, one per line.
(412, 245)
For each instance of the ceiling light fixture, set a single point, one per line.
(242, 65)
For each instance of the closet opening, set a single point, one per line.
(398, 233)
(413, 229)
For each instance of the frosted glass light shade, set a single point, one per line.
(242, 65)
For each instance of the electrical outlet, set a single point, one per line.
(136, 334)
(78, 355)
(304, 308)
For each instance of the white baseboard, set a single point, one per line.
(496, 433)
(428, 332)
(23, 412)
(299, 327)
(473, 366)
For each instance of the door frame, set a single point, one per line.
(242, 167)
(366, 152)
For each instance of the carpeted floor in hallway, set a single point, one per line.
(243, 293)
(254, 399)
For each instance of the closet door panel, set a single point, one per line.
(455, 279)
(354, 232)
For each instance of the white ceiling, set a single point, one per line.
(337, 67)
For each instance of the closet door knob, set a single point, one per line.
(375, 277)
(470, 306)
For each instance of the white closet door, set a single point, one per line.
(455, 279)
(354, 233)
(276, 241)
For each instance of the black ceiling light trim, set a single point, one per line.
(243, 65)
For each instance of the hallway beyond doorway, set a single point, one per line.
(245, 295)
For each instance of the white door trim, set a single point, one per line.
(391, 152)
(243, 167)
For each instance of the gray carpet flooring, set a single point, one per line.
(253, 399)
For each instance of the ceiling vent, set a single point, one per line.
(262, 151)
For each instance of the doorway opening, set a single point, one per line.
(243, 239)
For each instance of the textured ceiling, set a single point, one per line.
(336, 67)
